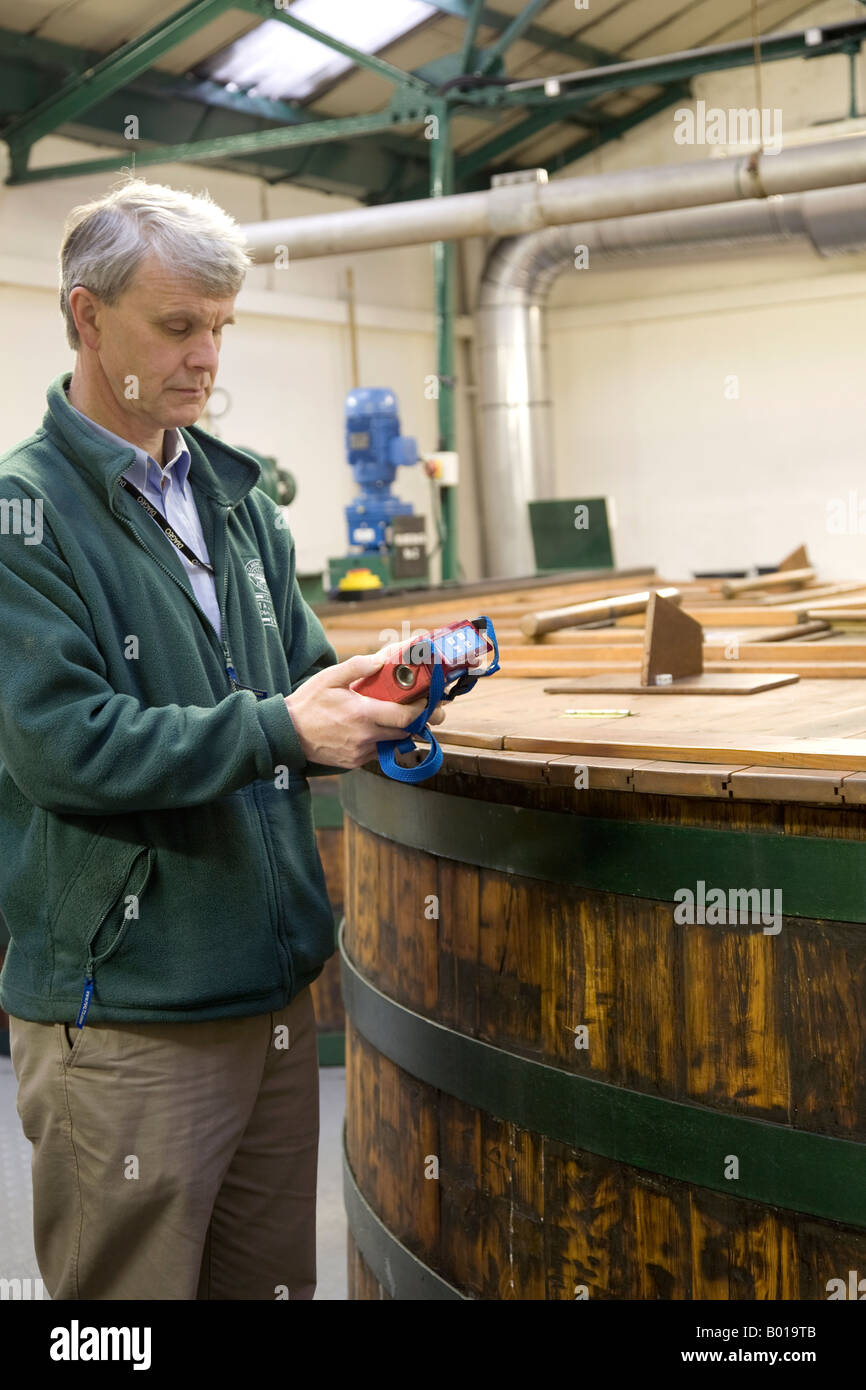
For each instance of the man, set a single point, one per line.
(165, 692)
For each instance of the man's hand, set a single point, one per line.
(341, 728)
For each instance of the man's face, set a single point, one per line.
(158, 346)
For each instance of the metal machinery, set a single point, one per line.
(391, 537)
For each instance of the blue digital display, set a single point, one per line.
(456, 647)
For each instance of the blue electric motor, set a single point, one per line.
(375, 449)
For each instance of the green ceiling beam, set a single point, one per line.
(358, 168)
(168, 99)
(352, 168)
(506, 140)
(469, 167)
(84, 89)
(681, 67)
(468, 46)
(232, 146)
(534, 33)
(266, 9)
(512, 33)
(171, 108)
(616, 128)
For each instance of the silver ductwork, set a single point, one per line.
(516, 441)
(513, 210)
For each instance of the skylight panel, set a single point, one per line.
(276, 61)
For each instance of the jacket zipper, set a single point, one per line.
(87, 995)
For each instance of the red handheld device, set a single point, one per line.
(460, 647)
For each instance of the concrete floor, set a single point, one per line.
(17, 1258)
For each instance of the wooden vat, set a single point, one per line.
(705, 1138)
(557, 1087)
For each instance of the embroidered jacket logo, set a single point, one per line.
(256, 575)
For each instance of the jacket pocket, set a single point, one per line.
(133, 873)
(305, 915)
(98, 906)
(207, 937)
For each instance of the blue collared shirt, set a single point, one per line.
(169, 490)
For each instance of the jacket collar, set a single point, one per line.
(223, 473)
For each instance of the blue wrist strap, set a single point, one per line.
(433, 761)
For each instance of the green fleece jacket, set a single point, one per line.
(156, 828)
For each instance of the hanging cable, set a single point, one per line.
(759, 102)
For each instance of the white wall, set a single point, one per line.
(286, 363)
(640, 357)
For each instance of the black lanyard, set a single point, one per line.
(190, 555)
(163, 525)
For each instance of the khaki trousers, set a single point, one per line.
(173, 1160)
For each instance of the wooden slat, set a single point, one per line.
(684, 779)
(818, 591)
(457, 759)
(513, 767)
(733, 588)
(837, 615)
(782, 784)
(827, 1076)
(741, 1252)
(730, 615)
(607, 774)
(811, 752)
(854, 788)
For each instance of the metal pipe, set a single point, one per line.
(441, 183)
(512, 210)
(516, 445)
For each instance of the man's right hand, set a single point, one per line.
(340, 728)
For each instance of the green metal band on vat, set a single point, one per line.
(820, 878)
(778, 1166)
(331, 1049)
(396, 1268)
(327, 811)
